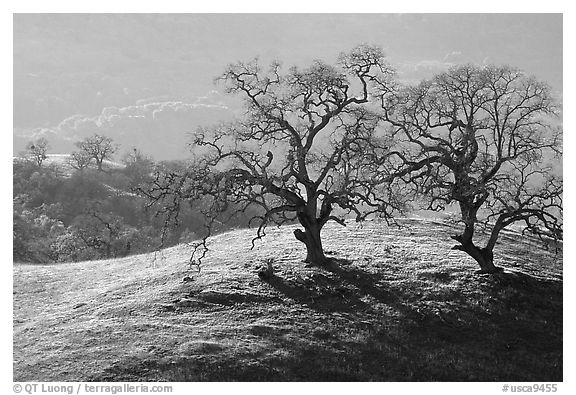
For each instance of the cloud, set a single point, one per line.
(414, 71)
(457, 57)
(157, 128)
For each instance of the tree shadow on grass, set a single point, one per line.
(503, 327)
(339, 286)
(341, 289)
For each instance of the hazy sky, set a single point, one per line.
(68, 66)
(412, 41)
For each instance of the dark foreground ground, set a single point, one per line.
(396, 305)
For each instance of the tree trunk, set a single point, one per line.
(311, 238)
(108, 250)
(483, 256)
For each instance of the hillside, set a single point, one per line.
(61, 161)
(396, 305)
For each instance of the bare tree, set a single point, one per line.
(484, 138)
(139, 167)
(36, 150)
(98, 147)
(98, 231)
(290, 156)
(79, 160)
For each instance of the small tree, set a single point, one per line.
(291, 156)
(483, 138)
(139, 167)
(98, 147)
(36, 151)
(80, 160)
(98, 231)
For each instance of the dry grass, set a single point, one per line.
(396, 304)
(62, 162)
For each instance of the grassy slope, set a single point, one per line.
(62, 162)
(397, 305)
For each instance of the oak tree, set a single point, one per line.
(98, 147)
(487, 139)
(291, 156)
(80, 160)
(36, 150)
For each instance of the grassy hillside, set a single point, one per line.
(61, 161)
(397, 304)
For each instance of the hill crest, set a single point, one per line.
(395, 297)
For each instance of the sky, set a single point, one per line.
(413, 42)
(69, 68)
